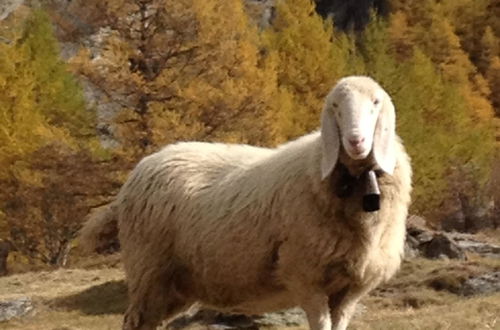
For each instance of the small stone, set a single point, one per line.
(425, 237)
(441, 246)
(289, 317)
(8, 6)
(468, 242)
(415, 221)
(482, 284)
(15, 308)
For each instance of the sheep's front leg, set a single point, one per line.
(342, 316)
(343, 304)
(318, 312)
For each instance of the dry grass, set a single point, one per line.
(424, 295)
(420, 297)
(458, 314)
(62, 320)
(55, 284)
(491, 236)
(68, 299)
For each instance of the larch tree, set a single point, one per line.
(452, 34)
(309, 59)
(433, 118)
(183, 70)
(40, 100)
(399, 32)
(469, 19)
(49, 154)
(489, 62)
(493, 76)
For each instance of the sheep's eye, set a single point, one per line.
(376, 101)
(335, 105)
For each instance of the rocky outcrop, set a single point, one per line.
(470, 243)
(212, 319)
(106, 107)
(428, 243)
(293, 317)
(483, 284)
(442, 246)
(8, 6)
(262, 12)
(18, 307)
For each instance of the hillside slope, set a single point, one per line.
(420, 297)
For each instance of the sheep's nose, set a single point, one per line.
(356, 141)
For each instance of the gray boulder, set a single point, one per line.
(12, 308)
(469, 243)
(293, 317)
(8, 6)
(483, 284)
(441, 246)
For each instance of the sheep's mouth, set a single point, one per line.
(357, 153)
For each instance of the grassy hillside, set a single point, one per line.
(418, 298)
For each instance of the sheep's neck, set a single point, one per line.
(356, 167)
(352, 173)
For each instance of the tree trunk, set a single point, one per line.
(62, 257)
(4, 253)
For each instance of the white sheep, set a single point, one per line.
(252, 230)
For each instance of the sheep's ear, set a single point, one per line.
(385, 135)
(330, 140)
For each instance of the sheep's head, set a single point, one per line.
(359, 117)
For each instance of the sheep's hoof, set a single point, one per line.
(132, 321)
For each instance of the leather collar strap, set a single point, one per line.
(345, 185)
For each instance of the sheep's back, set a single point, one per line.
(177, 175)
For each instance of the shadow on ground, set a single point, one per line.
(107, 298)
(111, 298)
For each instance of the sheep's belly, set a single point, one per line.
(239, 293)
(255, 305)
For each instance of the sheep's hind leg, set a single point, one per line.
(151, 302)
(318, 312)
(149, 319)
